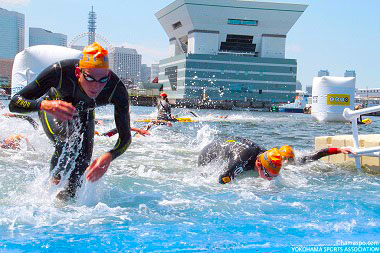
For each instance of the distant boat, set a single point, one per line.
(296, 107)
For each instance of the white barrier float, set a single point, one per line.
(31, 61)
(331, 95)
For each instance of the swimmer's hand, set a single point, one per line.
(60, 109)
(98, 167)
(143, 132)
(346, 150)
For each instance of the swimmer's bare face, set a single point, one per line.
(92, 80)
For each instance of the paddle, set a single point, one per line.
(193, 113)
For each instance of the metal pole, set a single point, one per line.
(356, 142)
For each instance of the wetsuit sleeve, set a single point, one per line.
(318, 155)
(243, 160)
(122, 120)
(233, 169)
(209, 153)
(26, 100)
(110, 133)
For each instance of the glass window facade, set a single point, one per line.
(38, 36)
(12, 30)
(186, 76)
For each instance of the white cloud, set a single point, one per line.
(14, 2)
(149, 54)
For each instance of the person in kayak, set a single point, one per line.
(164, 109)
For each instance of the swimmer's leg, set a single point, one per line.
(74, 182)
(80, 164)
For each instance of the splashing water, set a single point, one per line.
(154, 198)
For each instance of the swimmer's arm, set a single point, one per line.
(143, 132)
(231, 172)
(109, 133)
(26, 100)
(122, 120)
(114, 131)
(324, 152)
(99, 167)
(24, 117)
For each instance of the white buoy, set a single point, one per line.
(331, 95)
(31, 61)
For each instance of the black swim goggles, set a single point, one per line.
(266, 172)
(91, 79)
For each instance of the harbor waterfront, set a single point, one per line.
(155, 198)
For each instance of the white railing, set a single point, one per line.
(353, 117)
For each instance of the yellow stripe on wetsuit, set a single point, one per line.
(47, 123)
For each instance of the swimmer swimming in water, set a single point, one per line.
(244, 155)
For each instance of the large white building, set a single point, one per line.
(231, 50)
(39, 36)
(369, 92)
(12, 32)
(126, 63)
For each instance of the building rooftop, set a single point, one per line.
(231, 26)
(196, 14)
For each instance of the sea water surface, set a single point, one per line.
(155, 198)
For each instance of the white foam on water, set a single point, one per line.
(156, 188)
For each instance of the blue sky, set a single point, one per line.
(337, 35)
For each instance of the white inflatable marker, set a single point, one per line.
(331, 95)
(33, 60)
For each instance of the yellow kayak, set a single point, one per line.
(178, 120)
(367, 121)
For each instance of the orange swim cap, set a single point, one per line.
(163, 94)
(271, 160)
(287, 152)
(94, 56)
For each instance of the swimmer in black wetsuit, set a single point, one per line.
(241, 155)
(65, 95)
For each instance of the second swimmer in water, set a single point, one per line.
(244, 155)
